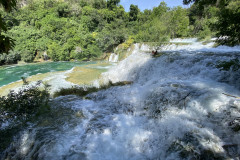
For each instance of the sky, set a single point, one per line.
(149, 4)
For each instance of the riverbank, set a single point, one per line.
(77, 73)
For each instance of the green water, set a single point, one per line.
(9, 74)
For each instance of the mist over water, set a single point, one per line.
(175, 109)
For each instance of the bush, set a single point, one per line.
(28, 56)
(3, 58)
(128, 42)
(11, 58)
(53, 51)
(24, 103)
(17, 107)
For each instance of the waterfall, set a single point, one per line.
(174, 109)
(113, 57)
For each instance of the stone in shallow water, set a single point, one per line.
(235, 124)
(232, 150)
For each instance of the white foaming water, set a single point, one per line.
(113, 57)
(174, 109)
(58, 80)
(125, 70)
(187, 40)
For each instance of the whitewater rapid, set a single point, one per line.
(174, 109)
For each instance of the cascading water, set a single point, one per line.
(113, 57)
(174, 109)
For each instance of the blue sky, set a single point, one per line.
(149, 4)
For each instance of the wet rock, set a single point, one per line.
(232, 150)
(235, 124)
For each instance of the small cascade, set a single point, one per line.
(113, 57)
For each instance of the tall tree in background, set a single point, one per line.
(229, 23)
(227, 26)
(6, 43)
(112, 4)
(133, 13)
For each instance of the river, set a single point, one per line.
(9, 74)
(174, 109)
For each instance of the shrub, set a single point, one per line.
(27, 56)
(17, 107)
(24, 103)
(128, 42)
(11, 58)
(3, 58)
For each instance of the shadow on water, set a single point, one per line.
(193, 97)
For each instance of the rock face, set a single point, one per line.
(45, 56)
(22, 3)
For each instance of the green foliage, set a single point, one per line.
(92, 51)
(55, 27)
(58, 27)
(228, 24)
(162, 23)
(54, 51)
(128, 43)
(3, 58)
(111, 4)
(160, 10)
(18, 107)
(203, 18)
(24, 103)
(11, 58)
(6, 43)
(98, 4)
(63, 10)
(8, 5)
(179, 22)
(154, 30)
(27, 56)
(112, 35)
(133, 14)
(218, 18)
(26, 39)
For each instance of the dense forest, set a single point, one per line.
(85, 29)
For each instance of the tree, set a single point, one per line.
(6, 43)
(220, 16)
(133, 14)
(179, 22)
(160, 10)
(111, 4)
(8, 5)
(229, 24)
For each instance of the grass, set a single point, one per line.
(83, 91)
